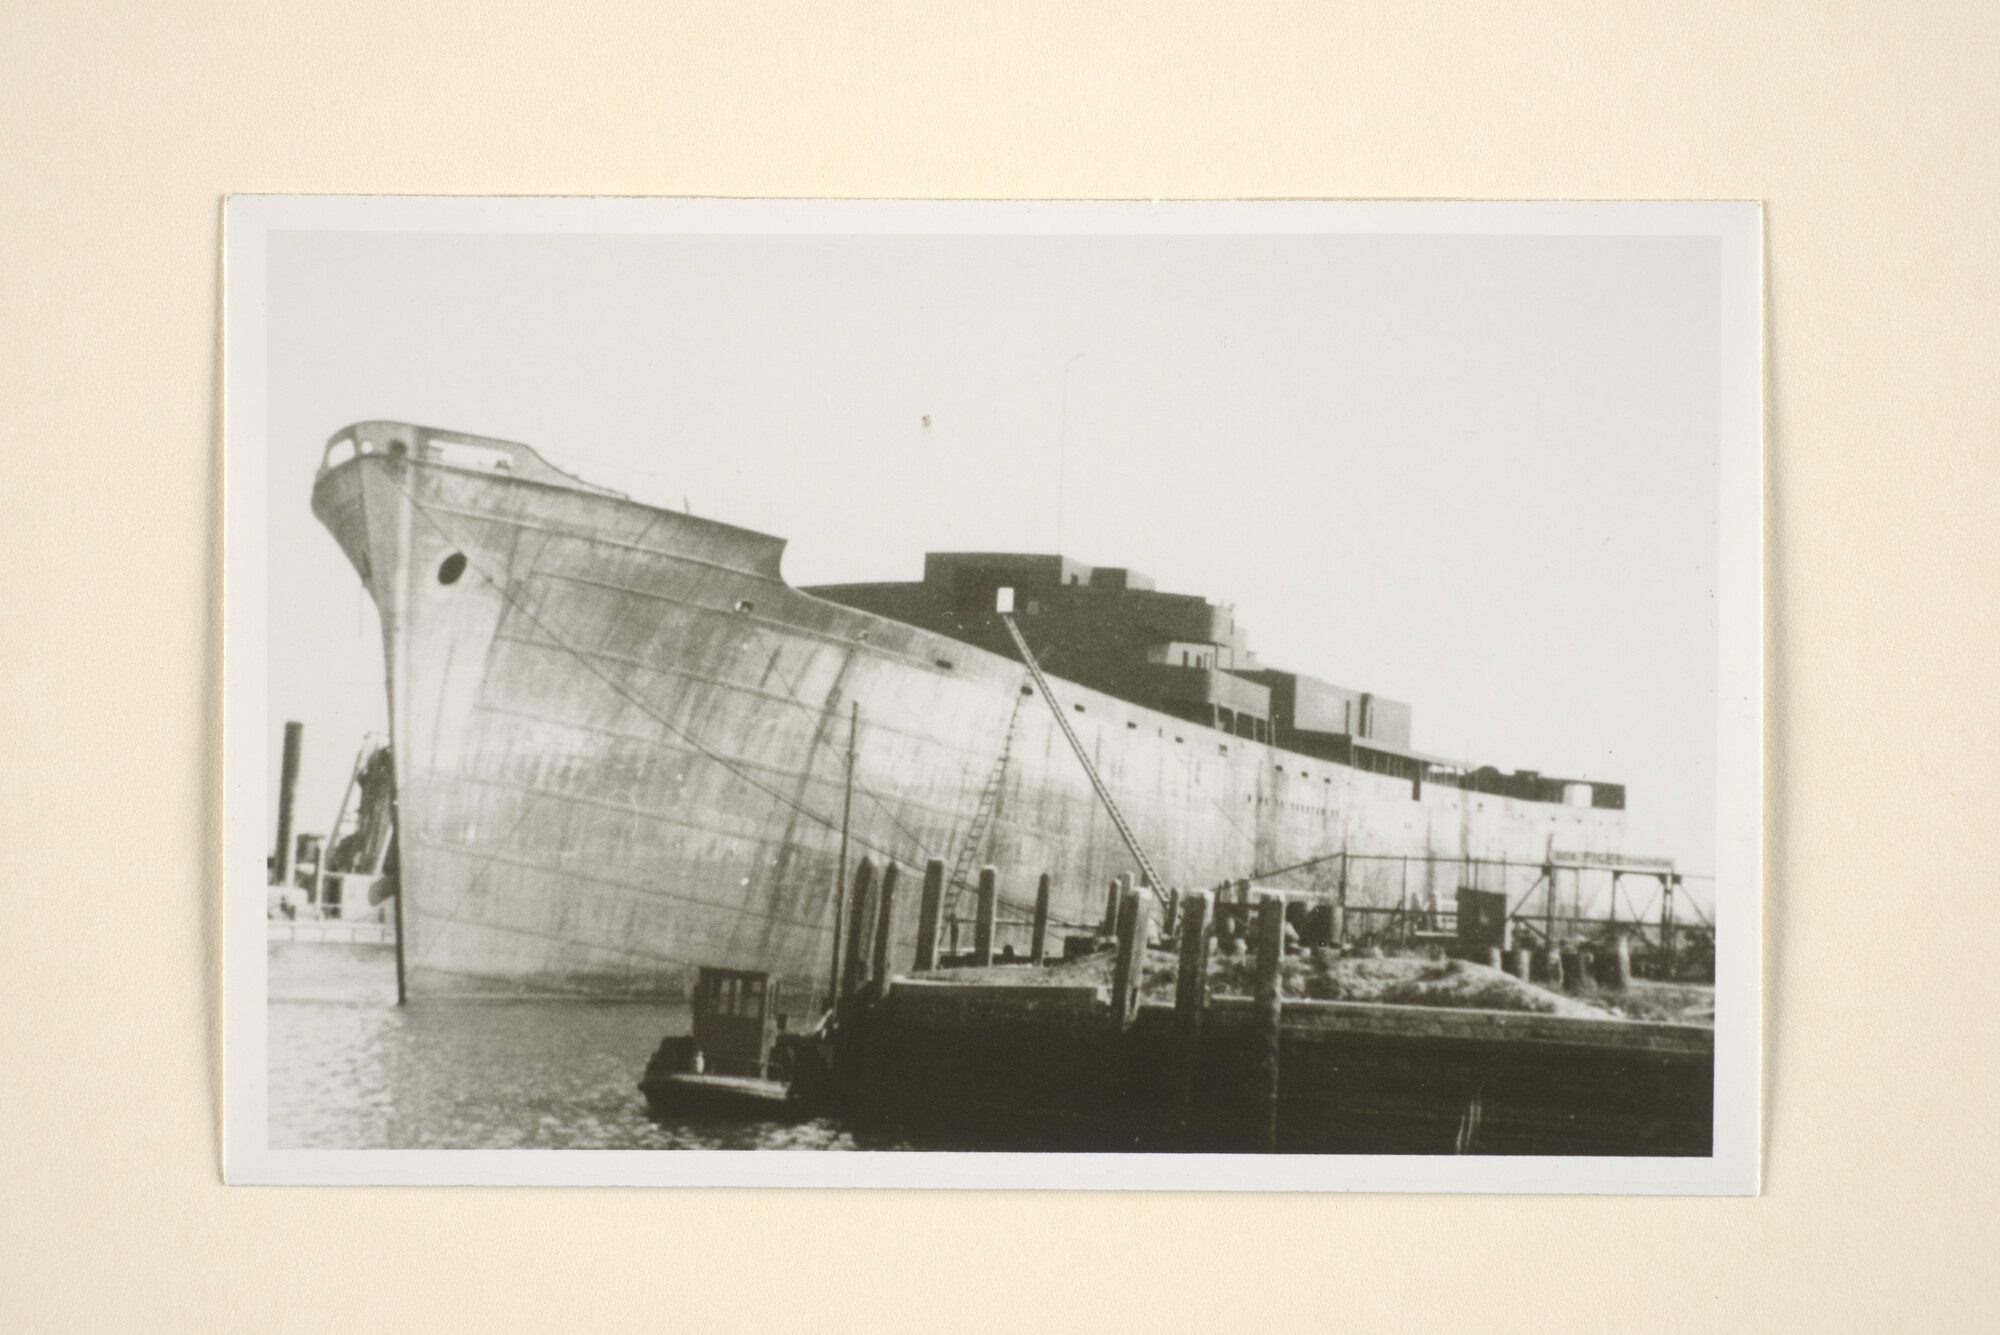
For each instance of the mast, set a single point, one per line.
(840, 884)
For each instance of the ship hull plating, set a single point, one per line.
(621, 754)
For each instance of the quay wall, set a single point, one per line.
(1027, 1067)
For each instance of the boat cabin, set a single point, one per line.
(736, 1022)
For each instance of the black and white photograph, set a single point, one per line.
(1256, 695)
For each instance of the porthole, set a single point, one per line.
(453, 567)
(745, 605)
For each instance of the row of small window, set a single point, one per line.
(742, 997)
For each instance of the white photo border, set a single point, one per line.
(1732, 1169)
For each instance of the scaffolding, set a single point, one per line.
(1566, 898)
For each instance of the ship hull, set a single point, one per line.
(621, 748)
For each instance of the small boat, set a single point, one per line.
(724, 1067)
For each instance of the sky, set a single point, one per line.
(1476, 474)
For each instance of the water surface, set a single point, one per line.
(350, 1069)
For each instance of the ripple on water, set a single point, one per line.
(349, 1069)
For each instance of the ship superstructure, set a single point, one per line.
(1110, 629)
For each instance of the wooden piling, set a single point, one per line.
(861, 918)
(885, 922)
(929, 909)
(288, 787)
(1039, 950)
(1524, 963)
(1403, 905)
(1112, 898)
(1667, 884)
(1340, 905)
(1129, 968)
(1190, 993)
(1552, 968)
(1269, 1011)
(989, 908)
